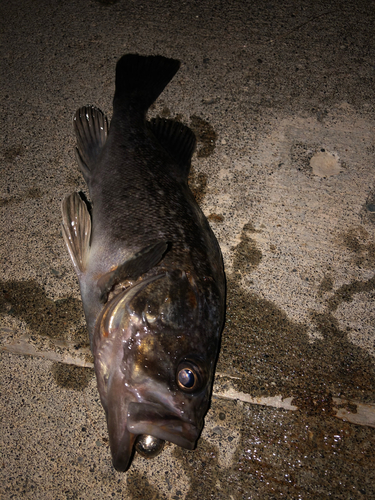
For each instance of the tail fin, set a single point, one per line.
(141, 79)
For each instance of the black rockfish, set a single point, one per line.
(149, 266)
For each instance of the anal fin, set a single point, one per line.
(133, 268)
(76, 229)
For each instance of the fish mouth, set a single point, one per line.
(151, 419)
(155, 420)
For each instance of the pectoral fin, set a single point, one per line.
(133, 268)
(91, 129)
(76, 229)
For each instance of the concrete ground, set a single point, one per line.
(281, 98)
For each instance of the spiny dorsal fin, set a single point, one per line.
(91, 129)
(140, 263)
(141, 79)
(76, 229)
(177, 139)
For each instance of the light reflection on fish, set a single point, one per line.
(149, 267)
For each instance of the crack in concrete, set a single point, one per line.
(346, 410)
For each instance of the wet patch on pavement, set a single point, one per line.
(71, 377)
(274, 355)
(33, 193)
(13, 152)
(276, 453)
(218, 218)
(357, 240)
(247, 255)
(198, 184)
(345, 293)
(27, 301)
(205, 135)
(139, 488)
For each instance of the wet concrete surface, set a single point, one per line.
(281, 98)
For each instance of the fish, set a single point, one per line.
(149, 267)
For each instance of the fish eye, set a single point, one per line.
(189, 377)
(186, 378)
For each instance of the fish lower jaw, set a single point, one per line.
(154, 420)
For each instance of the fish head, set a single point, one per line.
(155, 349)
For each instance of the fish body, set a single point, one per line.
(149, 266)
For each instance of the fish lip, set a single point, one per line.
(158, 421)
(123, 451)
(121, 441)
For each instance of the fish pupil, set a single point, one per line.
(186, 378)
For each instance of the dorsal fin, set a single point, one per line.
(133, 268)
(176, 138)
(91, 129)
(76, 229)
